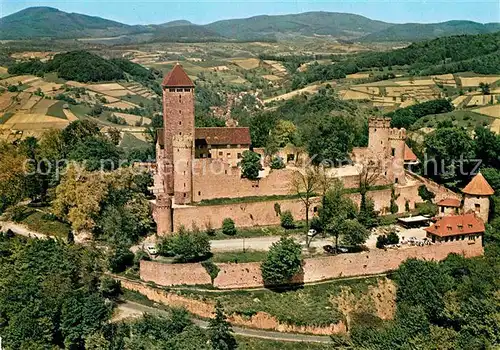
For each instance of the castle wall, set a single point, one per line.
(216, 179)
(263, 213)
(248, 275)
(440, 191)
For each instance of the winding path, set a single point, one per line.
(132, 309)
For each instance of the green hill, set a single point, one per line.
(419, 31)
(41, 22)
(186, 33)
(47, 22)
(308, 23)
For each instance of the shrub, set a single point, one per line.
(120, 259)
(316, 224)
(228, 227)
(12, 88)
(209, 229)
(392, 238)
(283, 261)
(381, 241)
(287, 221)
(425, 194)
(186, 246)
(277, 163)
(212, 269)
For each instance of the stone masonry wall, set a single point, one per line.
(263, 213)
(247, 275)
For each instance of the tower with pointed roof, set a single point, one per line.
(178, 121)
(476, 197)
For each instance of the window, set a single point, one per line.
(396, 180)
(393, 152)
(187, 90)
(199, 193)
(180, 123)
(184, 195)
(229, 155)
(239, 155)
(180, 98)
(221, 153)
(225, 172)
(180, 112)
(478, 208)
(442, 209)
(381, 142)
(171, 90)
(179, 90)
(315, 209)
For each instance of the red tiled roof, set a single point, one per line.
(409, 155)
(478, 186)
(457, 225)
(450, 202)
(217, 136)
(224, 136)
(177, 77)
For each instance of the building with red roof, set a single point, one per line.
(449, 206)
(477, 197)
(456, 227)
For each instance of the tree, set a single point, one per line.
(485, 88)
(367, 215)
(283, 261)
(335, 209)
(305, 185)
(220, 331)
(285, 132)
(330, 140)
(452, 147)
(120, 258)
(425, 194)
(228, 227)
(277, 163)
(487, 147)
(286, 219)
(186, 246)
(12, 175)
(250, 165)
(115, 135)
(354, 233)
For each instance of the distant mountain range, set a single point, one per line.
(47, 22)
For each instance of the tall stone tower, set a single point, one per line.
(379, 145)
(476, 197)
(397, 139)
(178, 121)
(183, 168)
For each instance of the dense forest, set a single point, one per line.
(477, 53)
(84, 66)
(55, 296)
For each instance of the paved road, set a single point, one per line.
(131, 309)
(259, 243)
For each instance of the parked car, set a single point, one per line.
(311, 233)
(151, 249)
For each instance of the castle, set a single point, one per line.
(198, 165)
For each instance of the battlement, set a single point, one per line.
(379, 122)
(397, 134)
(164, 201)
(182, 141)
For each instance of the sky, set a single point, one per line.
(206, 11)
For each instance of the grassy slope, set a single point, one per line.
(307, 305)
